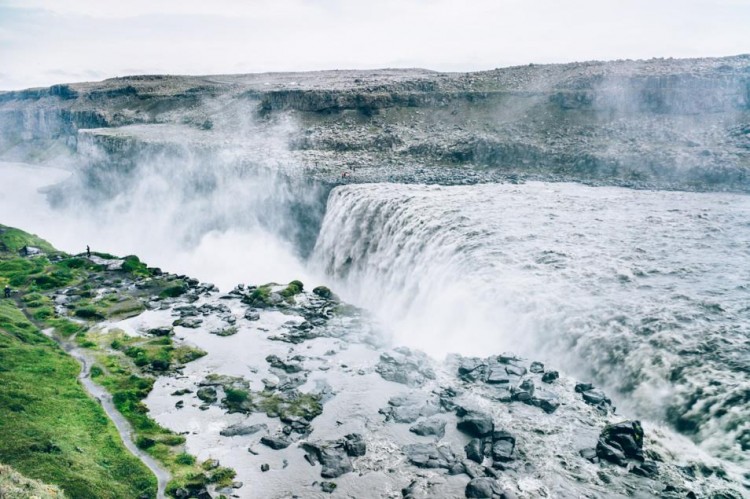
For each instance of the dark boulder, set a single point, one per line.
(355, 445)
(332, 456)
(550, 376)
(503, 446)
(275, 442)
(621, 442)
(475, 450)
(536, 367)
(240, 429)
(430, 456)
(486, 488)
(476, 424)
(207, 394)
(430, 426)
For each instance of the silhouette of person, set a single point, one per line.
(88, 251)
(7, 291)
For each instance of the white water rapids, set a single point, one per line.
(647, 293)
(644, 293)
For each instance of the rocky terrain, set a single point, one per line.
(302, 395)
(664, 123)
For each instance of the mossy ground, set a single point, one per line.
(50, 428)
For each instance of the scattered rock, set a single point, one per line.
(430, 426)
(327, 487)
(550, 376)
(476, 424)
(486, 488)
(430, 456)
(331, 455)
(536, 368)
(207, 394)
(411, 368)
(242, 429)
(161, 331)
(265, 467)
(274, 442)
(620, 442)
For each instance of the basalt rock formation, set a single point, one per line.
(663, 123)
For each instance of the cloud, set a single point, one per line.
(228, 36)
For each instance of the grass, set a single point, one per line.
(50, 429)
(124, 372)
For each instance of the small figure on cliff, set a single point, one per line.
(88, 251)
(7, 291)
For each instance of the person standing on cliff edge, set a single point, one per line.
(88, 251)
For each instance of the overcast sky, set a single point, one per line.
(43, 42)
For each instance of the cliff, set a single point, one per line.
(660, 123)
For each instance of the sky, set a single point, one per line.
(43, 42)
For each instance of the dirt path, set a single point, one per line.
(122, 425)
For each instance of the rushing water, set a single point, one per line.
(645, 292)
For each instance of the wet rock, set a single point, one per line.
(430, 456)
(589, 455)
(179, 404)
(620, 442)
(647, 469)
(274, 442)
(242, 429)
(252, 315)
(207, 394)
(472, 369)
(476, 424)
(328, 487)
(188, 322)
(429, 426)
(411, 368)
(331, 455)
(499, 376)
(225, 331)
(524, 391)
(323, 292)
(547, 401)
(409, 408)
(536, 367)
(161, 331)
(594, 396)
(192, 491)
(550, 376)
(503, 446)
(265, 467)
(475, 450)
(355, 445)
(514, 370)
(486, 488)
(181, 392)
(291, 366)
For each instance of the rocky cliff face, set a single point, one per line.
(659, 123)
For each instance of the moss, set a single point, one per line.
(236, 395)
(174, 290)
(89, 312)
(184, 458)
(323, 292)
(133, 265)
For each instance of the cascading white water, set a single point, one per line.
(643, 292)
